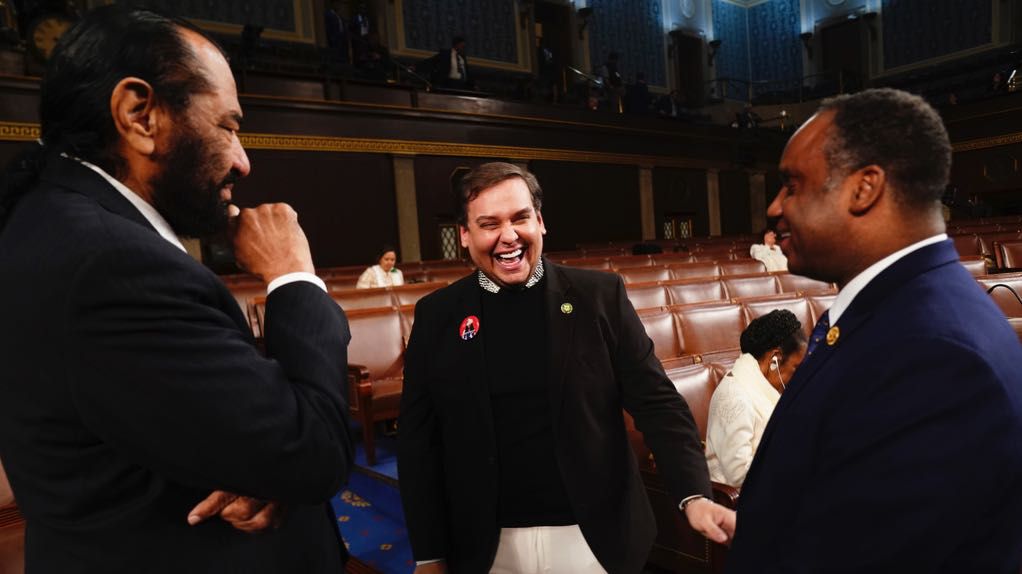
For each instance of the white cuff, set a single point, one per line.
(294, 277)
(421, 562)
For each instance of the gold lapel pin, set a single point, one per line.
(567, 308)
(833, 335)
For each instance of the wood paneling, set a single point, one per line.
(587, 203)
(681, 191)
(345, 202)
(735, 216)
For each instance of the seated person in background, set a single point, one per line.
(383, 274)
(769, 252)
(772, 347)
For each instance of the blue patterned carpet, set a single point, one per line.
(369, 513)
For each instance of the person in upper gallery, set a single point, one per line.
(772, 348)
(895, 446)
(512, 448)
(384, 273)
(769, 252)
(140, 426)
(450, 67)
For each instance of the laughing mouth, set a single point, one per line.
(511, 257)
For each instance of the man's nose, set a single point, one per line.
(508, 234)
(239, 159)
(774, 210)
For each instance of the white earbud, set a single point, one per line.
(774, 365)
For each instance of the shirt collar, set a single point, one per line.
(148, 211)
(488, 285)
(858, 283)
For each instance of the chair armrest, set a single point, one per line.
(360, 388)
(725, 495)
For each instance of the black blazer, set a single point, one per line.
(131, 389)
(897, 448)
(600, 360)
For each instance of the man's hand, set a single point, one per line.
(241, 512)
(268, 241)
(711, 519)
(439, 567)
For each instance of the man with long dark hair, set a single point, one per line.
(132, 388)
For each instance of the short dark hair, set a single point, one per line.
(489, 175)
(895, 130)
(109, 44)
(385, 250)
(778, 328)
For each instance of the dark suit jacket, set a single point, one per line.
(898, 448)
(600, 360)
(131, 389)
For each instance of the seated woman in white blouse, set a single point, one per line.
(384, 273)
(772, 347)
(769, 252)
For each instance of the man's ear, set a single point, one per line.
(135, 114)
(870, 186)
(463, 232)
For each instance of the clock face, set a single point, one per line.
(45, 33)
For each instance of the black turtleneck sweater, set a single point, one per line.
(531, 490)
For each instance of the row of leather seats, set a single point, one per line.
(723, 288)
(983, 244)
(701, 328)
(657, 260)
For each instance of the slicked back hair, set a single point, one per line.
(895, 130)
(489, 175)
(112, 43)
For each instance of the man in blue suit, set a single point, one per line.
(897, 445)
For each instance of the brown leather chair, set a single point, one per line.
(245, 292)
(975, 264)
(644, 274)
(670, 258)
(414, 275)
(1009, 255)
(695, 270)
(742, 267)
(350, 299)
(1003, 297)
(751, 285)
(709, 327)
(989, 240)
(12, 540)
(597, 263)
(677, 547)
(797, 304)
(411, 293)
(799, 284)
(604, 252)
(646, 295)
(625, 261)
(375, 369)
(819, 304)
(448, 274)
(434, 264)
(695, 291)
(967, 244)
(717, 256)
(660, 327)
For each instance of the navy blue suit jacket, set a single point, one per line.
(898, 448)
(131, 388)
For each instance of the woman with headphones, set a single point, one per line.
(772, 347)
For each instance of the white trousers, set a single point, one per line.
(546, 550)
